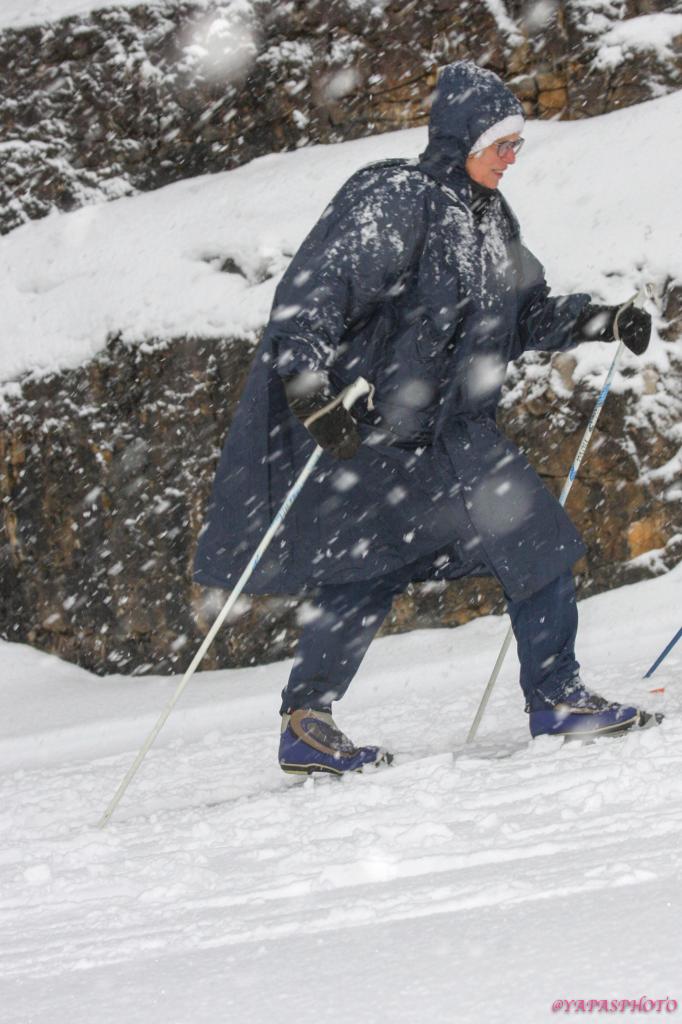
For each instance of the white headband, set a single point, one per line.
(509, 125)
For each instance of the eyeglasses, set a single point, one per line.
(509, 146)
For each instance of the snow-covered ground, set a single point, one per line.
(473, 884)
(596, 199)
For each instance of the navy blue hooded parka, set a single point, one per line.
(417, 279)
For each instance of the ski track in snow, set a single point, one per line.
(213, 849)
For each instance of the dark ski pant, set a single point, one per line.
(344, 618)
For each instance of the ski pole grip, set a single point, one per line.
(645, 292)
(356, 390)
(638, 299)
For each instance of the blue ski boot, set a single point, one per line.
(578, 714)
(312, 742)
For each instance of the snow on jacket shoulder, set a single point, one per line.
(356, 258)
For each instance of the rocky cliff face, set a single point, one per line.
(105, 470)
(133, 98)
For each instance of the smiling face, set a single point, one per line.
(487, 166)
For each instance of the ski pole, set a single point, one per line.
(347, 398)
(664, 654)
(636, 300)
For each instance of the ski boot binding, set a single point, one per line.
(579, 714)
(312, 742)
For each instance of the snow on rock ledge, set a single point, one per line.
(201, 258)
(129, 98)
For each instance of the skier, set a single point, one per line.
(416, 278)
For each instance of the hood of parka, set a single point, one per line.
(467, 102)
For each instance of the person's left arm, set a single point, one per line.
(544, 322)
(547, 323)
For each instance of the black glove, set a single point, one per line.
(334, 429)
(596, 323)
